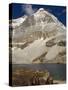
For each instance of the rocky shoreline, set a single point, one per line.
(27, 77)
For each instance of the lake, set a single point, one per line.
(58, 71)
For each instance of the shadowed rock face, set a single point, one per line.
(29, 77)
(62, 43)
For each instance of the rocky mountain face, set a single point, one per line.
(39, 38)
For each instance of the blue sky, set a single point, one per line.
(19, 10)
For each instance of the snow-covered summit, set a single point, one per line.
(41, 15)
(48, 17)
(18, 21)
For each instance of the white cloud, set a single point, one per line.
(28, 9)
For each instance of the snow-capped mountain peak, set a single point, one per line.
(41, 15)
(37, 35)
(41, 10)
(18, 21)
(47, 17)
